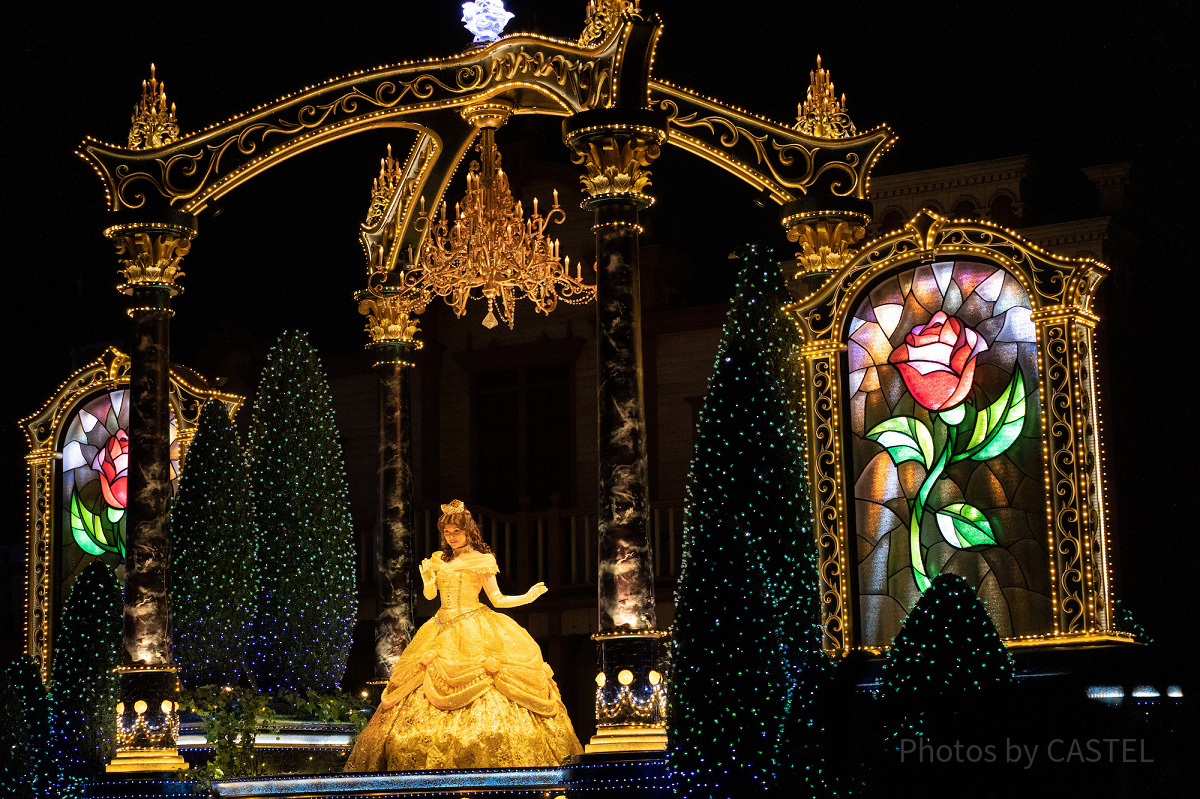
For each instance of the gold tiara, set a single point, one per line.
(456, 506)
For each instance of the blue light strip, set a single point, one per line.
(371, 783)
(339, 740)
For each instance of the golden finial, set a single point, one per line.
(154, 123)
(822, 114)
(384, 188)
(604, 16)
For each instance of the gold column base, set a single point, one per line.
(650, 738)
(131, 760)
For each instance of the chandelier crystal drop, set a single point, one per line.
(491, 251)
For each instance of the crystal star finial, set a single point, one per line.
(485, 19)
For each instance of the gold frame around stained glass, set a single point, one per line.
(43, 430)
(1060, 291)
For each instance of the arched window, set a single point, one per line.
(892, 221)
(963, 209)
(1002, 212)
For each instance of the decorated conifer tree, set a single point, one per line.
(29, 766)
(746, 656)
(214, 569)
(307, 598)
(85, 689)
(946, 666)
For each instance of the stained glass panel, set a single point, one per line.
(95, 461)
(946, 446)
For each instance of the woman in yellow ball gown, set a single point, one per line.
(471, 690)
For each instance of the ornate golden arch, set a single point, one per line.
(529, 73)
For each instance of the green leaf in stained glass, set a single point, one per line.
(998, 425)
(83, 523)
(109, 529)
(963, 526)
(905, 439)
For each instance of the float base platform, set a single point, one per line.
(633, 775)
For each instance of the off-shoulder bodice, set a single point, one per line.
(459, 581)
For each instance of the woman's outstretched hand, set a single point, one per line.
(426, 570)
(536, 591)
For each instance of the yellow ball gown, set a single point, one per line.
(470, 691)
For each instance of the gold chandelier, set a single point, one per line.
(490, 250)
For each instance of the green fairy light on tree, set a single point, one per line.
(746, 656)
(307, 599)
(947, 667)
(214, 558)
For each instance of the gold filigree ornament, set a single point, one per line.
(154, 123)
(604, 17)
(490, 250)
(822, 114)
(153, 256)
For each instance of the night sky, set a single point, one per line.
(956, 82)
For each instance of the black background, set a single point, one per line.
(1072, 86)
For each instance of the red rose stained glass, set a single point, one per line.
(945, 446)
(95, 470)
(937, 361)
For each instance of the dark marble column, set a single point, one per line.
(147, 718)
(616, 147)
(394, 530)
(147, 543)
(626, 576)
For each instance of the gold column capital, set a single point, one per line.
(152, 254)
(828, 240)
(391, 318)
(616, 147)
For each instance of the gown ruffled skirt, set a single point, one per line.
(470, 691)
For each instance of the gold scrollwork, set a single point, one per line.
(824, 456)
(200, 167)
(153, 257)
(1089, 413)
(1049, 280)
(37, 643)
(1066, 516)
(776, 158)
